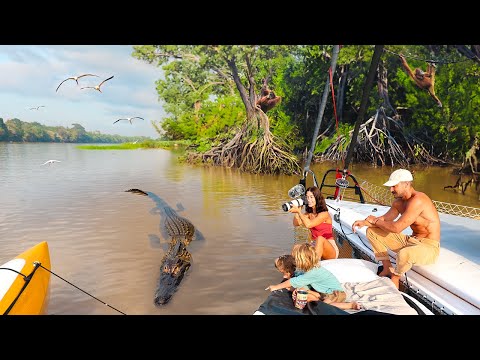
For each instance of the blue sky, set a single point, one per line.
(29, 75)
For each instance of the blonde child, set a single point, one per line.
(322, 285)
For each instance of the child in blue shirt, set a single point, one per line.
(321, 284)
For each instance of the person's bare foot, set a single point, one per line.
(384, 273)
(313, 296)
(396, 280)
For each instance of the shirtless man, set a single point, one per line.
(385, 232)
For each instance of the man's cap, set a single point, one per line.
(398, 176)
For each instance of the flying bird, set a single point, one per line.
(97, 87)
(129, 119)
(49, 162)
(75, 78)
(37, 107)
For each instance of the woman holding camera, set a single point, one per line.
(318, 220)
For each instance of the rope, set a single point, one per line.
(19, 273)
(381, 196)
(333, 96)
(27, 279)
(371, 196)
(104, 303)
(368, 246)
(428, 61)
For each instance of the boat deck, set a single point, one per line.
(452, 284)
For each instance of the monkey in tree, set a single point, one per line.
(424, 80)
(268, 99)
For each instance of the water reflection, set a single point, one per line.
(110, 243)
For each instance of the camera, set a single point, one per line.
(297, 193)
(296, 202)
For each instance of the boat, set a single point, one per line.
(25, 282)
(451, 286)
(377, 295)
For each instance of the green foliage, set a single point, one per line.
(284, 129)
(448, 131)
(3, 131)
(218, 116)
(343, 130)
(148, 144)
(323, 144)
(213, 118)
(198, 92)
(19, 131)
(198, 80)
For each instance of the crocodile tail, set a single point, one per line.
(137, 191)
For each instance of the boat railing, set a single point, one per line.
(460, 210)
(341, 187)
(365, 192)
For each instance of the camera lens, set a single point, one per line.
(297, 202)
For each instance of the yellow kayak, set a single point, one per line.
(24, 282)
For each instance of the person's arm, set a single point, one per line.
(390, 215)
(297, 221)
(282, 285)
(296, 282)
(360, 224)
(412, 212)
(309, 223)
(371, 221)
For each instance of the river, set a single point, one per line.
(109, 243)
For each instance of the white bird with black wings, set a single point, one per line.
(129, 119)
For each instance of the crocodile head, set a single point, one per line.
(174, 267)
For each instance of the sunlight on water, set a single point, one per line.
(110, 243)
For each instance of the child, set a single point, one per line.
(322, 285)
(286, 265)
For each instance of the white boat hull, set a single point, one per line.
(452, 284)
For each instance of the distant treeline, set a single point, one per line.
(16, 130)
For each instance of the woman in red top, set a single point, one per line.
(319, 221)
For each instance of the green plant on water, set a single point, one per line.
(149, 144)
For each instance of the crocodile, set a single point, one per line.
(178, 227)
(175, 263)
(177, 260)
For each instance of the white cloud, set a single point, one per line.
(31, 73)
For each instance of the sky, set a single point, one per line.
(30, 74)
